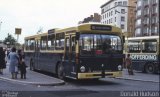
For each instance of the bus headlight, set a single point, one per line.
(82, 69)
(119, 67)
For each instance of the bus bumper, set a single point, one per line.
(92, 75)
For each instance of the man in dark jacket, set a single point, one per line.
(2, 60)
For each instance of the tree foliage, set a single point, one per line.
(10, 40)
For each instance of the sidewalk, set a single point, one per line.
(139, 76)
(32, 78)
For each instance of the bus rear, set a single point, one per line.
(144, 52)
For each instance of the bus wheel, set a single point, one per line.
(60, 71)
(149, 68)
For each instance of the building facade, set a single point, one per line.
(93, 18)
(147, 18)
(120, 13)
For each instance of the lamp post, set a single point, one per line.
(0, 25)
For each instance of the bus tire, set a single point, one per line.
(60, 71)
(149, 68)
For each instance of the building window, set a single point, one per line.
(125, 3)
(154, 9)
(102, 10)
(111, 13)
(120, 3)
(145, 2)
(122, 26)
(138, 22)
(115, 3)
(139, 3)
(111, 20)
(154, 1)
(145, 31)
(154, 30)
(115, 19)
(154, 20)
(123, 11)
(138, 12)
(138, 32)
(146, 11)
(122, 18)
(146, 20)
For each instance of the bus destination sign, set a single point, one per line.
(51, 31)
(101, 27)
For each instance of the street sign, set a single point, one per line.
(18, 31)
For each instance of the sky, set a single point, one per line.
(32, 15)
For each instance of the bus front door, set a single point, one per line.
(37, 54)
(70, 56)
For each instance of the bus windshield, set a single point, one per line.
(93, 44)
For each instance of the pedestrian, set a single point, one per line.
(129, 64)
(14, 60)
(20, 59)
(2, 60)
(23, 69)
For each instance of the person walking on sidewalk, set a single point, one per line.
(129, 64)
(2, 60)
(14, 60)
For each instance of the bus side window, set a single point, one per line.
(43, 42)
(30, 44)
(149, 47)
(51, 42)
(59, 41)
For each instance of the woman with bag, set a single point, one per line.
(2, 60)
(14, 61)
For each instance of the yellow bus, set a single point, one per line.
(77, 52)
(144, 53)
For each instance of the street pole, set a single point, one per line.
(17, 37)
(0, 25)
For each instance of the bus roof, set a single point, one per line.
(37, 35)
(87, 27)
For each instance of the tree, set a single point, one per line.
(9, 40)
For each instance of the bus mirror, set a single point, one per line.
(77, 35)
(123, 39)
